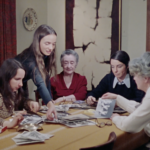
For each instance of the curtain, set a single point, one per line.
(7, 29)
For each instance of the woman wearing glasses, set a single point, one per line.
(118, 81)
(11, 93)
(68, 85)
(139, 117)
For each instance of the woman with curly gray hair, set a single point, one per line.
(139, 117)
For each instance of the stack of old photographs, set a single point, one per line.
(43, 109)
(59, 108)
(30, 137)
(78, 105)
(73, 120)
(62, 108)
(60, 112)
(119, 110)
(34, 119)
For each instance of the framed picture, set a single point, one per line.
(93, 30)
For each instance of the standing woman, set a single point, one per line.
(118, 81)
(39, 61)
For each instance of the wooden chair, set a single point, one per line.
(106, 146)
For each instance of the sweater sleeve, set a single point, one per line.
(82, 90)
(44, 91)
(137, 120)
(128, 105)
(100, 89)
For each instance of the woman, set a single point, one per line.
(11, 93)
(68, 85)
(118, 81)
(39, 61)
(140, 113)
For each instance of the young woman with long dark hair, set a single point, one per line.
(11, 93)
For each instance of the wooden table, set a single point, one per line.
(74, 138)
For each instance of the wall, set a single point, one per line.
(24, 37)
(134, 27)
(56, 19)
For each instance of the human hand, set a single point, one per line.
(90, 100)
(114, 115)
(16, 120)
(58, 100)
(109, 96)
(34, 106)
(23, 112)
(51, 113)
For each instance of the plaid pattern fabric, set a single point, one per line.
(7, 29)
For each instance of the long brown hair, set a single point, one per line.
(7, 71)
(50, 65)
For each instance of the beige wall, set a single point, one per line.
(24, 37)
(56, 19)
(134, 27)
(52, 12)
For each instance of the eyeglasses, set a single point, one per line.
(102, 124)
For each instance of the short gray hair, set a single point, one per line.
(141, 65)
(69, 52)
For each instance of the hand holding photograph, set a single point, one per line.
(104, 108)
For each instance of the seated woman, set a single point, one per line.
(118, 81)
(11, 93)
(68, 85)
(140, 113)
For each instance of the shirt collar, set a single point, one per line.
(126, 81)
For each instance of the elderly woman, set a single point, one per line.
(118, 81)
(68, 85)
(140, 113)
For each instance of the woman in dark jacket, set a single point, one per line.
(39, 61)
(118, 81)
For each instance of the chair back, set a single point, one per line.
(106, 146)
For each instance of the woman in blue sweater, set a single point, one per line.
(118, 81)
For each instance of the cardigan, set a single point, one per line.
(5, 113)
(106, 85)
(77, 88)
(28, 61)
(140, 114)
